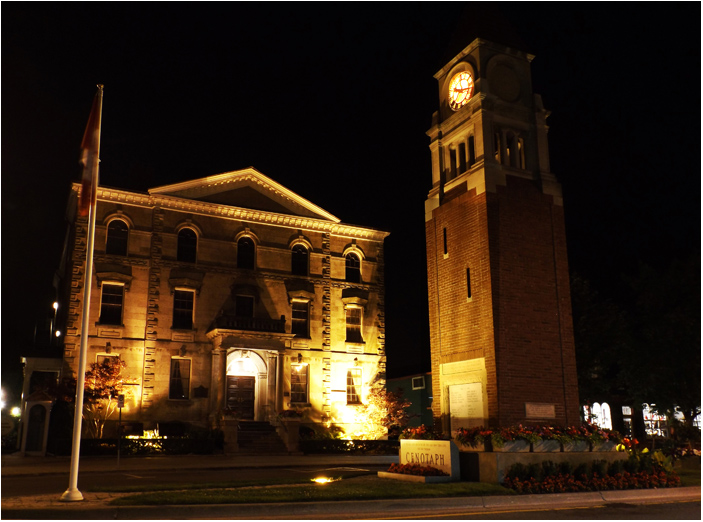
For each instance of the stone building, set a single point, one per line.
(498, 280)
(229, 294)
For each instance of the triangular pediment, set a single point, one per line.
(246, 188)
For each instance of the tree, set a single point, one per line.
(103, 383)
(383, 410)
(665, 322)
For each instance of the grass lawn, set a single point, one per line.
(358, 488)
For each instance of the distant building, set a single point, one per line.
(501, 331)
(228, 294)
(417, 389)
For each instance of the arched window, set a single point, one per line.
(117, 236)
(246, 250)
(187, 245)
(353, 272)
(299, 260)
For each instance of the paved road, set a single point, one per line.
(680, 510)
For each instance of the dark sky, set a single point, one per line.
(333, 101)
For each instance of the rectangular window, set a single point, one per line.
(111, 304)
(452, 164)
(446, 251)
(301, 323)
(354, 325)
(179, 386)
(183, 302)
(472, 151)
(299, 384)
(462, 157)
(418, 383)
(468, 283)
(244, 306)
(354, 386)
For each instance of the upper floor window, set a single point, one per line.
(117, 236)
(111, 303)
(353, 268)
(246, 250)
(183, 306)
(300, 325)
(187, 245)
(354, 324)
(244, 306)
(299, 260)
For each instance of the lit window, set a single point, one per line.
(117, 238)
(354, 386)
(353, 268)
(299, 260)
(301, 315)
(179, 386)
(187, 245)
(183, 304)
(354, 324)
(246, 251)
(111, 303)
(299, 384)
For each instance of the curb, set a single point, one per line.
(360, 508)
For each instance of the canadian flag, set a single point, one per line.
(90, 156)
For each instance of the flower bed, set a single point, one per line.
(415, 469)
(638, 472)
(569, 483)
(497, 437)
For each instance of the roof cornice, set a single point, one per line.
(235, 213)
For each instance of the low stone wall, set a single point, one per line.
(492, 466)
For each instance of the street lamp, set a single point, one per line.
(53, 322)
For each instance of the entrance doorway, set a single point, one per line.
(240, 395)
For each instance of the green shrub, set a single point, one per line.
(549, 468)
(600, 468)
(518, 471)
(566, 468)
(616, 467)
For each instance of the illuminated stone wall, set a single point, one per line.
(260, 349)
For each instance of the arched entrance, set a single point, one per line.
(244, 368)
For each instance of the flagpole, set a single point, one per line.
(90, 158)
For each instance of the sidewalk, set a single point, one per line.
(96, 505)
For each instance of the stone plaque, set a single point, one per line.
(466, 405)
(538, 410)
(440, 454)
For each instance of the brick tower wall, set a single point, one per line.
(531, 304)
(466, 325)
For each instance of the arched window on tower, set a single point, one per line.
(353, 268)
(496, 146)
(117, 238)
(299, 260)
(187, 245)
(246, 253)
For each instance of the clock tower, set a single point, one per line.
(501, 330)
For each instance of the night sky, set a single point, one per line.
(333, 102)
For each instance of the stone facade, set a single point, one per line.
(229, 295)
(498, 280)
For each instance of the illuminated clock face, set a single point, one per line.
(460, 90)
